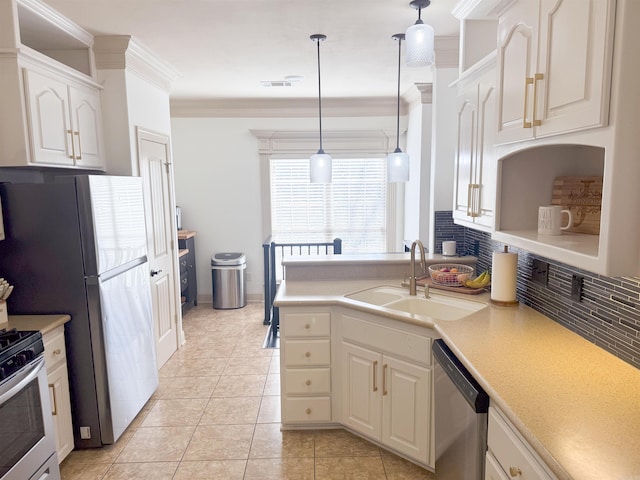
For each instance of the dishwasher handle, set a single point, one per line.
(469, 388)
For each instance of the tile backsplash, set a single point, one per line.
(608, 315)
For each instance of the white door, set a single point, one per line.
(154, 157)
(361, 390)
(406, 408)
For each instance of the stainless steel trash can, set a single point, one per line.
(228, 280)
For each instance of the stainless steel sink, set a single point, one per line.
(437, 306)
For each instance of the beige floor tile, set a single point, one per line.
(231, 410)
(349, 468)
(157, 444)
(280, 469)
(247, 366)
(211, 470)
(83, 471)
(272, 386)
(398, 468)
(195, 353)
(270, 442)
(175, 412)
(253, 349)
(269, 409)
(142, 471)
(220, 442)
(203, 367)
(186, 387)
(106, 454)
(240, 386)
(340, 443)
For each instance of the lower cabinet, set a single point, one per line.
(305, 366)
(55, 359)
(369, 373)
(508, 453)
(386, 399)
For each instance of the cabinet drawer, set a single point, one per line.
(387, 339)
(308, 381)
(306, 324)
(306, 352)
(511, 451)
(311, 409)
(54, 349)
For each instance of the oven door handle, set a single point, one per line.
(20, 380)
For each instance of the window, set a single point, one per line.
(353, 207)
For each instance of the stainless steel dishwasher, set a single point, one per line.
(460, 419)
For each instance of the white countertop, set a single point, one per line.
(576, 404)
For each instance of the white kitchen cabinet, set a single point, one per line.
(554, 67)
(64, 121)
(55, 359)
(305, 366)
(52, 114)
(475, 160)
(508, 453)
(384, 397)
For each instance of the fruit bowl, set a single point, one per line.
(450, 274)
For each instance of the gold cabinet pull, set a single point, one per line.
(469, 200)
(536, 78)
(375, 376)
(308, 382)
(73, 145)
(307, 354)
(57, 351)
(515, 471)
(527, 81)
(79, 156)
(54, 410)
(308, 411)
(384, 379)
(307, 326)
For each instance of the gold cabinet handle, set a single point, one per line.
(375, 376)
(469, 200)
(54, 410)
(307, 354)
(536, 78)
(57, 351)
(308, 411)
(515, 471)
(307, 326)
(73, 145)
(308, 382)
(527, 81)
(384, 379)
(79, 156)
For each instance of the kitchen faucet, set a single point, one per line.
(412, 278)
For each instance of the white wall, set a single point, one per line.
(217, 183)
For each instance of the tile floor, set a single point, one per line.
(216, 415)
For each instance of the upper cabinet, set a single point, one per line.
(475, 161)
(51, 101)
(554, 67)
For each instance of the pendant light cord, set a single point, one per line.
(398, 111)
(318, 40)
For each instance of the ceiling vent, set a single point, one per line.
(288, 81)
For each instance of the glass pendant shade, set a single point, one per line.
(397, 166)
(420, 45)
(320, 167)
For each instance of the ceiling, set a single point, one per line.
(223, 49)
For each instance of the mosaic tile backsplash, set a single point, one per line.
(608, 315)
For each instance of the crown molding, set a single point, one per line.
(118, 52)
(48, 18)
(287, 108)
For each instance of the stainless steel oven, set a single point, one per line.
(27, 438)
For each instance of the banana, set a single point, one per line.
(480, 281)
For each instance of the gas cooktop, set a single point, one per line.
(17, 349)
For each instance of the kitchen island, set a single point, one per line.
(575, 404)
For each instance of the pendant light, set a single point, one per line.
(398, 161)
(320, 163)
(420, 39)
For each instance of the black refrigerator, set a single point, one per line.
(78, 246)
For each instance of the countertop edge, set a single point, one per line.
(42, 323)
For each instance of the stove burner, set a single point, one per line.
(17, 349)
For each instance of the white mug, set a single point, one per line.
(550, 220)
